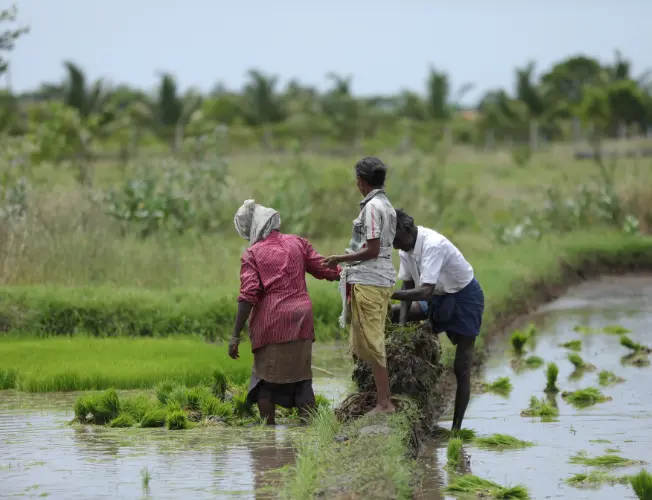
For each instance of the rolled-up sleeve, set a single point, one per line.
(373, 221)
(251, 289)
(314, 264)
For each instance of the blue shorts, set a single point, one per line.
(424, 306)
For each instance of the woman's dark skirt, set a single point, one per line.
(282, 374)
(458, 313)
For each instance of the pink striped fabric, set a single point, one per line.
(273, 280)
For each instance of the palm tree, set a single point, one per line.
(263, 105)
(171, 111)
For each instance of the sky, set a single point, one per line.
(384, 45)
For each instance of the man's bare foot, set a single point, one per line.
(388, 408)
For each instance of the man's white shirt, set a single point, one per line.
(435, 260)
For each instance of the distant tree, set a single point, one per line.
(8, 37)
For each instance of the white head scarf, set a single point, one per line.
(254, 222)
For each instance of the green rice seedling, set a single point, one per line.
(154, 418)
(612, 450)
(322, 401)
(585, 397)
(220, 384)
(176, 420)
(146, 477)
(642, 485)
(122, 420)
(534, 362)
(137, 405)
(594, 479)
(466, 435)
(531, 330)
(518, 341)
(85, 405)
(573, 345)
(501, 386)
(107, 407)
(577, 361)
(615, 330)
(609, 378)
(454, 452)
(195, 396)
(468, 483)
(582, 458)
(625, 341)
(8, 378)
(213, 407)
(540, 408)
(600, 441)
(584, 329)
(636, 358)
(241, 407)
(163, 390)
(178, 397)
(552, 371)
(501, 442)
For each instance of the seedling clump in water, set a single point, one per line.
(585, 397)
(540, 408)
(573, 345)
(465, 435)
(551, 378)
(454, 452)
(533, 361)
(615, 329)
(642, 485)
(603, 460)
(579, 363)
(608, 378)
(468, 483)
(518, 341)
(501, 386)
(594, 479)
(625, 341)
(502, 442)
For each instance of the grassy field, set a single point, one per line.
(83, 363)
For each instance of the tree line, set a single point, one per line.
(579, 91)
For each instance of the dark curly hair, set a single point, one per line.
(403, 221)
(372, 170)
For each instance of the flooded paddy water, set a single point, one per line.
(621, 426)
(41, 455)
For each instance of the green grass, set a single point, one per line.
(583, 398)
(454, 452)
(573, 345)
(606, 378)
(540, 408)
(481, 487)
(501, 386)
(501, 442)
(642, 485)
(86, 363)
(582, 458)
(594, 479)
(552, 371)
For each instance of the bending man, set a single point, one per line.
(439, 285)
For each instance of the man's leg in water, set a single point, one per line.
(462, 367)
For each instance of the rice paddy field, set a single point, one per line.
(88, 303)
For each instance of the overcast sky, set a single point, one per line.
(385, 45)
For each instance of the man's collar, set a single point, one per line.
(370, 196)
(418, 244)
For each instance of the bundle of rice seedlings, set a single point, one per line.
(107, 407)
(540, 408)
(85, 406)
(573, 345)
(322, 401)
(8, 378)
(176, 420)
(241, 407)
(137, 405)
(220, 384)
(608, 378)
(163, 390)
(178, 397)
(551, 378)
(501, 386)
(594, 479)
(501, 442)
(577, 361)
(585, 397)
(625, 341)
(615, 329)
(154, 418)
(213, 407)
(468, 483)
(454, 452)
(518, 341)
(122, 420)
(582, 458)
(584, 329)
(534, 362)
(642, 485)
(466, 435)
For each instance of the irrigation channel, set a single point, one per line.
(41, 455)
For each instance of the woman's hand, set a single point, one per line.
(233, 348)
(332, 261)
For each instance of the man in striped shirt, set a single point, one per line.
(369, 278)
